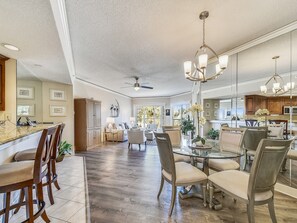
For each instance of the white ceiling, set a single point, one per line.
(114, 40)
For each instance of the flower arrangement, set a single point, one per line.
(262, 112)
(196, 109)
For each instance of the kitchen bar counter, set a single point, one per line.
(17, 138)
(10, 132)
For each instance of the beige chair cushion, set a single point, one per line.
(181, 158)
(28, 154)
(186, 174)
(16, 172)
(223, 164)
(292, 154)
(236, 182)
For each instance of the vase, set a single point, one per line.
(60, 158)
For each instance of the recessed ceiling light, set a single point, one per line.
(10, 47)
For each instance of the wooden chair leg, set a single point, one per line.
(6, 204)
(173, 195)
(271, 211)
(21, 199)
(39, 195)
(139, 146)
(29, 205)
(49, 188)
(55, 175)
(161, 186)
(128, 145)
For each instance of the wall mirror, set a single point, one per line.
(29, 95)
(255, 66)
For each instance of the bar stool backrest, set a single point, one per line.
(57, 141)
(43, 152)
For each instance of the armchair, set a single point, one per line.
(256, 188)
(136, 137)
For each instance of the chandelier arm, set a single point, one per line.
(216, 55)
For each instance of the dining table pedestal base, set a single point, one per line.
(195, 191)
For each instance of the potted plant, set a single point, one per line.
(64, 148)
(187, 125)
(213, 134)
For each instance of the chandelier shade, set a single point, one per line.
(197, 71)
(277, 83)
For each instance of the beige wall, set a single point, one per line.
(68, 119)
(85, 90)
(36, 101)
(10, 91)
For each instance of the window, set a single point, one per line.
(179, 112)
(149, 115)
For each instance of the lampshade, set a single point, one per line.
(202, 59)
(223, 61)
(187, 67)
(132, 119)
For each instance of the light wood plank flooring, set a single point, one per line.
(123, 186)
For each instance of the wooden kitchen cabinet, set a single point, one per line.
(253, 103)
(275, 105)
(87, 123)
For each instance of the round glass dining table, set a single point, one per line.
(203, 154)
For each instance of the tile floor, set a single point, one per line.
(71, 203)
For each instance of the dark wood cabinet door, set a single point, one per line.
(2, 85)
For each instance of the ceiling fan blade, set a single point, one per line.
(147, 87)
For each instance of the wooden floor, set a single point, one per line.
(123, 186)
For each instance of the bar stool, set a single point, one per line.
(52, 177)
(23, 175)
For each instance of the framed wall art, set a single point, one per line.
(57, 110)
(57, 95)
(25, 92)
(207, 105)
(26, 110)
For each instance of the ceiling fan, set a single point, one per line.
(137, 85)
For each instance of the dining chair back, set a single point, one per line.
(266, 166)
(174, 135)
(282, 122)
(276, 131)
(231, 139)
(251, 141)
(251, 122)
(165, 153)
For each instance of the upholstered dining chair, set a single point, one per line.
(251, 122)
(136, 137)
(52, 177)
(230, 140)
(282, 122)
(174, 134)
(24, 175)
(251, 140)
(177, 173)
(276, 131)
(256, 188)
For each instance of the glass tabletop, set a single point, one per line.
(205, 152)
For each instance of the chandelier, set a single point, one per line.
(199, 73)
(278, 86)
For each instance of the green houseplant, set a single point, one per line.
(213, 134)
(187, 125)
(64, 148)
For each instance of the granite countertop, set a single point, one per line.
(9, 132)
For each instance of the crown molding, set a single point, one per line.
(60, 16)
